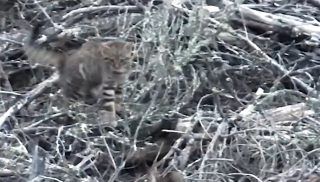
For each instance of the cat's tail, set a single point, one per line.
(38, 54)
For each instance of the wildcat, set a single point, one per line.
(94, 73)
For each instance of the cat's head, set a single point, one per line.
(117, 53)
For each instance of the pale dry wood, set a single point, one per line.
(285, 114)
(299, 26)
(7, 173)
(100, 8)
(311, 91)
(314, 3)
(306, 88)
(31, 95)
(5, 85)
(281, 114)
(178, 4)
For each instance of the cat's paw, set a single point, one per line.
(108, 117)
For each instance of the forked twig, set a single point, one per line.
(29, 97)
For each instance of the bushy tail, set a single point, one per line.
(39, 55)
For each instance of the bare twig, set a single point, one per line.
(281, 114)
(314, 3)
(10, 40)
(47, 15)
(101, 8)
(28, 97)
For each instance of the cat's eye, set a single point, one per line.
(107, 59)
(124, 60)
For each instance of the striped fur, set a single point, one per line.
(94, 73)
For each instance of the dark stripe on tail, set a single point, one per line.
(109, 108)
(107, 100)
(108, 87)
(33, 35)
(118, 92)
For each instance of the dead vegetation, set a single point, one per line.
(220, 91)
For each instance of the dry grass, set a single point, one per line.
(226, 92)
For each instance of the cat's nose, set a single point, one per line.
(117, 66)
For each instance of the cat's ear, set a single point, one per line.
(129, 47)
(105, 45)
(105, 48)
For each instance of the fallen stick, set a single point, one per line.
(31, 95)
(299, 26)
(101, 8)
(281, 114)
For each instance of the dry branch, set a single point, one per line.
(28, 97)
(315, 3)
(101, 8)
(204, 150)
(281, 114)
(299, 25)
